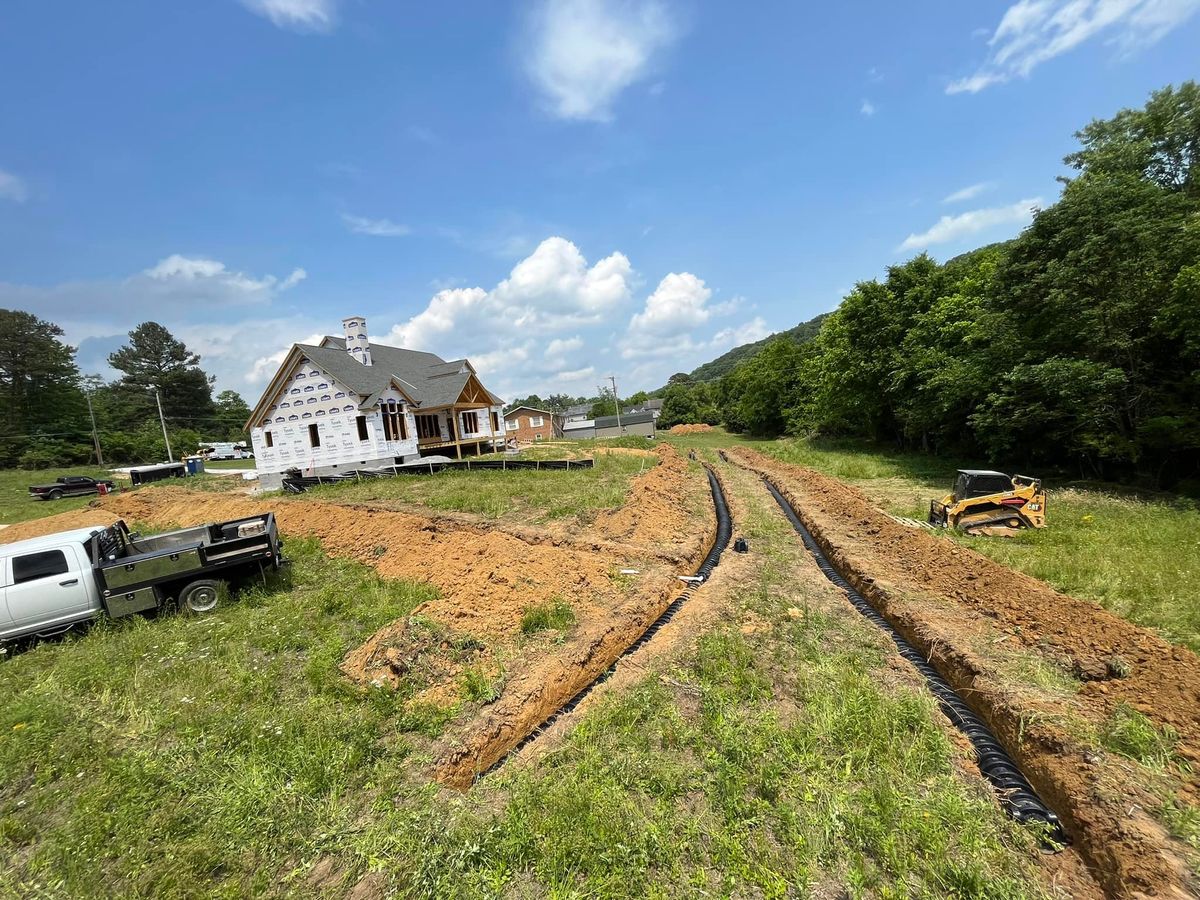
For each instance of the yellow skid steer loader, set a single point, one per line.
(983, 502)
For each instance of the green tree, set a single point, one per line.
(154, 359)
(1100, 284)
(765, 394)
(688, 404)
(39, 384)
(231, 415)
(558, 403)
(1159, 142)
(605, 405)
(533, 401)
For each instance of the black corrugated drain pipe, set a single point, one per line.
(1016, 794)
(724, 532)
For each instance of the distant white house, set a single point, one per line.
(346, 403)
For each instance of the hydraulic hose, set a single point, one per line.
(1016, 794)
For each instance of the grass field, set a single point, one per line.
(17, 506)
(226, 756)
(1137, 556)
(518, 496)
(229, 464)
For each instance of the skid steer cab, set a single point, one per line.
(983, 502)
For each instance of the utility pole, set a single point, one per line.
(95, 434)
(617, 401)
(163, 423)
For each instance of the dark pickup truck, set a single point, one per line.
(68, 486)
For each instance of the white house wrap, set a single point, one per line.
(347, 403)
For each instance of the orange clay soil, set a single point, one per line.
(488, 577)
(657, 510)
(942, 597)
(656, 514)
(689, 429)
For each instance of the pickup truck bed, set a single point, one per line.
(50, 583)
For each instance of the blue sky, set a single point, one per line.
(561, 191)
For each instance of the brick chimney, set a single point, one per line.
(357, 344)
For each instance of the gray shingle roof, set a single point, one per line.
(430, 380)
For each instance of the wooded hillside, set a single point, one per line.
(1077, 343)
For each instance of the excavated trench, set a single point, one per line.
(1102, 810)
(1016, 794)
(499, 736)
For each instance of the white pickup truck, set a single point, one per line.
(51, 583)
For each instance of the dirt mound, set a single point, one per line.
(661, 505)
(689, 429)
(1116, 660)
(65, 521)
(486, 576)
(949, 601)
(624, 451)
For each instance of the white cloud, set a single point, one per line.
(585, 376)
(559, 346)
(665, 329)
(183, 274)
(582, 54)
(375, 227)
(1034, 31)
(679, 303)
(12, 187)
(954, 228)
(746, 333)
(970, 192)
(867, 108)
(552, 289)
(297, 15)
(217, 311)
(263, 367)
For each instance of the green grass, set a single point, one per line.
(17, 506)
(522, 495)
(1137, 556)
(174, 756)
(225, 755)
(556, 615)
(1131, 734)
(481, 685)
(229, 464)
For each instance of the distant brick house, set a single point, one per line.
(527, 425)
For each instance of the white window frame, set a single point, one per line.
(536, 421)
(513, 425)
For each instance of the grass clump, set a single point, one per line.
(481, 685)
(555, 614)
(1132, 734)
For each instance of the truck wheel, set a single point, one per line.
(54, 495)
(200, 596)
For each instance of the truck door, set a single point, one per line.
(46, 587)
(6, 619)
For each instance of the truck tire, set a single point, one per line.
(54, 495)
(200, 596)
